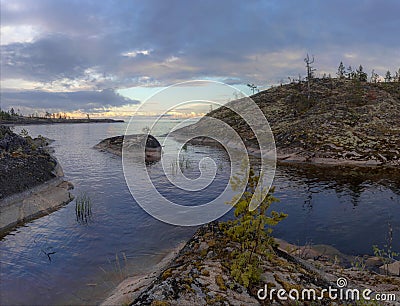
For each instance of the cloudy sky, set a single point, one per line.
(107, 56)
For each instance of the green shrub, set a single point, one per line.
(251, 230)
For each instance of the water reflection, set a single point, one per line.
(345, 178)
(344, 207)
(347, 209)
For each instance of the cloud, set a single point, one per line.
(86, 101)
(88, 45)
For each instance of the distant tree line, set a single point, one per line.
(344, 73)
(56, 115)
(360, 75)
(348, 73)
(12, 114)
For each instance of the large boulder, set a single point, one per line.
(133, 143)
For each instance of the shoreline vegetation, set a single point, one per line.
(12, 118)
(28, 121)
(31, 179)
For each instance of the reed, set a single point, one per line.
(118, 269)
(83, 209)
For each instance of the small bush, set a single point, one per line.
(251, 230)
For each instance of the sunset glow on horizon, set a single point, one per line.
(106, 58)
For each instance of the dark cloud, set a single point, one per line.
(86, 101)
(48, 59)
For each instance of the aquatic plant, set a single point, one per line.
(174, 167)
(251, 230)
(387, 255)
(83, 209)
(182, 163)
(118, 270)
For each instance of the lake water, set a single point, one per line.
(90, 258)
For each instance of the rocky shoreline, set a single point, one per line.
(19, 120)
(33, 203)
(297, 156)
(31, 180)
(199, 274)
(130, 288)
(344, 122)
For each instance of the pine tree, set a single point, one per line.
(388, 76)
(361, 75)
(251, 229)
(341, 71)
(350, 73)
(397, 76)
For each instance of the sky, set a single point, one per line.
(106, 57)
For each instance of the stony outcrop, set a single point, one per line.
(343, 122)
(199, 274)
(132, 143)
(31, 180)
(24, 162)
(34, 203)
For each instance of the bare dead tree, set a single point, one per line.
(310, 73)
(253, 88)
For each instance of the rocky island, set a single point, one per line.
(333, 121)
(31, 179)
(133, 143)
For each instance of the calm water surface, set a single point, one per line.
(121, 239)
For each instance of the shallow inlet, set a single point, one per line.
(89, 258)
